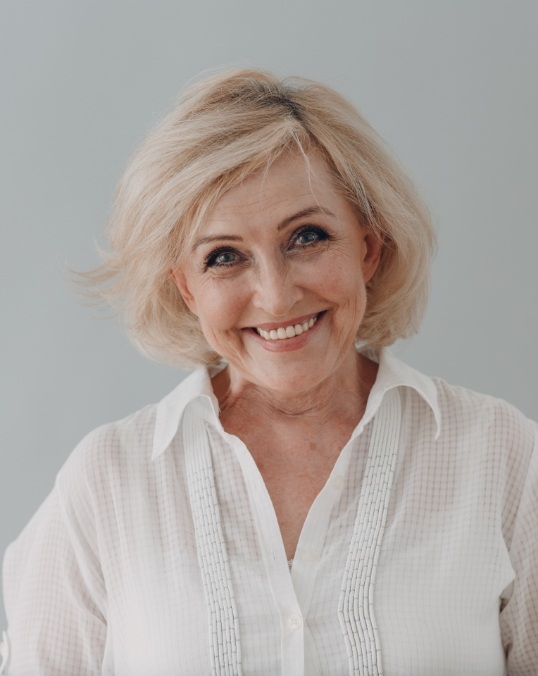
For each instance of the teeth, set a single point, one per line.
(282, 333)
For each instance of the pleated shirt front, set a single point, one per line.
(159, 552)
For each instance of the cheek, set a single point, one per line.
(342, 284)
(220, 306)
(344, 287)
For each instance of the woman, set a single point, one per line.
(303, 503)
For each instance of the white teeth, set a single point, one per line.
(288, 331)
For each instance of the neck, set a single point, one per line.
(342, 396)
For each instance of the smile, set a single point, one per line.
(285, 332)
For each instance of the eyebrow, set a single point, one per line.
(304, 213)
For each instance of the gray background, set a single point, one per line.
(451, 85)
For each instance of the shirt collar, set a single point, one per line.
(395, 373)
(196, 390)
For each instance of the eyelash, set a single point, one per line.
(211, 260)
(321, 236)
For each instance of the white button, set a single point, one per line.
(338, 482)
(294, 621)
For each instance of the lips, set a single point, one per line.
(287, 331)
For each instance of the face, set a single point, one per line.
(277, 276)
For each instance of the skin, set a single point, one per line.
(282, 247)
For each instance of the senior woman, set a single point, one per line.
(303, 503)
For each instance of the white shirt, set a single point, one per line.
(158, 551)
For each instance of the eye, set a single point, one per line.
(309, 235)
(221, 257)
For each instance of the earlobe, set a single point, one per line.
(181, 283)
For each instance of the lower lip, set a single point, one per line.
(287, 344)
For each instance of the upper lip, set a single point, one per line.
(290, 322)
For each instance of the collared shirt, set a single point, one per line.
(159, 552)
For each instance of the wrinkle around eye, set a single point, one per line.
(308, 249)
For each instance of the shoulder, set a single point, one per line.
(494, 441)
(463, 410)
(461, 414)
(110, 454)
(127, 462)
(484, 438)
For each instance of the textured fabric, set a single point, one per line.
(418, 557)
(355, 609)
(225, 649)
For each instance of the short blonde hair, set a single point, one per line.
(222, 130)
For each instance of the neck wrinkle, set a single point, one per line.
(332, 400)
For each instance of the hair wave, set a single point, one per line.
(222, 130)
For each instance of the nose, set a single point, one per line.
(277, 290)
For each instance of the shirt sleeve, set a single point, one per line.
(519, 617)
(54, 592)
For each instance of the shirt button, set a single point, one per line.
(338, 482)
(294, 621)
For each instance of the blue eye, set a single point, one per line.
(309, 235)
(225, 258)
(221, 257)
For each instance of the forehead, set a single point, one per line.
(291, 182)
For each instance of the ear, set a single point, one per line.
(180, 281)
(373, 246)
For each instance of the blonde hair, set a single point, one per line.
(222, 130)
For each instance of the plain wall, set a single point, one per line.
(452, 86)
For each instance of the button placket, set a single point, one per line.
(294, 621)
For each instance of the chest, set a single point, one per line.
(374, 571)
(426, 614)
(292, 498)
(293, 476)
